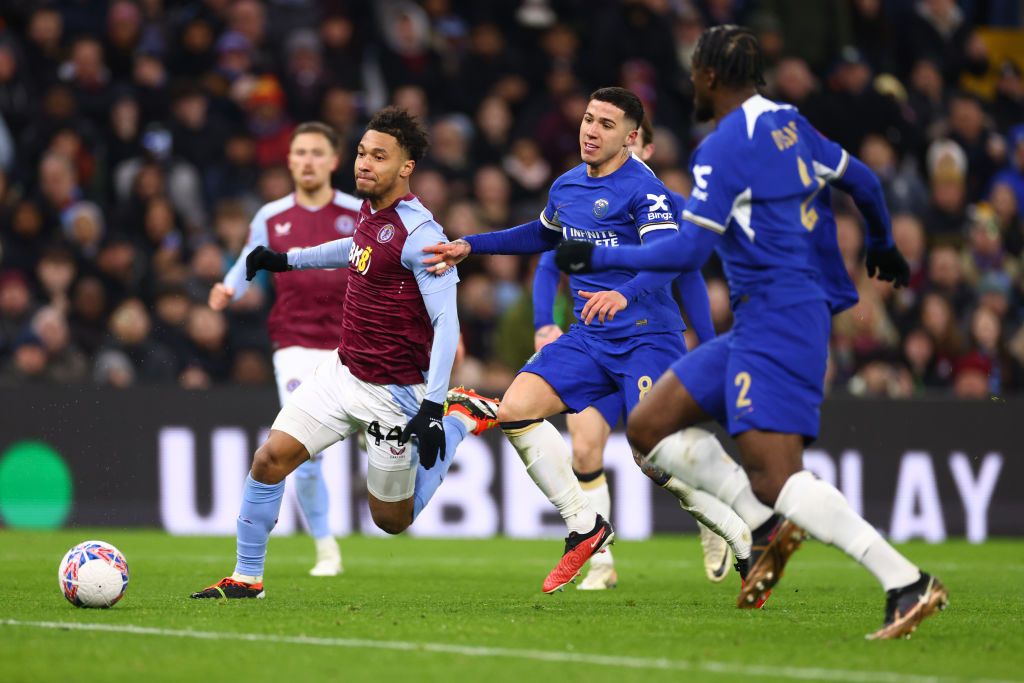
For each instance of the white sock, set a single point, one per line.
(697, 458)
(599, 496)
(823, 512)
(549, 464)
(600, 499)
(245, 578)
(714, 514)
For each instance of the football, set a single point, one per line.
(93, 574)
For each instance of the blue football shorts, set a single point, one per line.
(766, 373)
(583, 369)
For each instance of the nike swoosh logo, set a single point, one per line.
(575, 267)
(597, 542)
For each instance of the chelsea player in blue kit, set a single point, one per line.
(756, 181)
(589, 429)
(630, 328)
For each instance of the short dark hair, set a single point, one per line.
(317, 127)
(646, 132)
(624, 99)
(733, 53)
(404, 127)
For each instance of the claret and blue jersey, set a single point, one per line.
(626, 207)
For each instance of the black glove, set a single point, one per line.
(262, 258)
(574, 257)
(889, 265)
(426, 426)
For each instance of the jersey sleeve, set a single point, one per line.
(412, 258)
(549, 215)
(718, 181)
(651, 206)
(235, 277)
(830, 159)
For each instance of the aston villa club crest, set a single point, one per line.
(344, 225)
(386, 233)
(601, 208)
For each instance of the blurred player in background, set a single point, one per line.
(630, 328)
(756, 179)
(305, 321)
(389, 379)
(590, 428)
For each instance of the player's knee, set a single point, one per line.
(640, 436)
(390, 522)
(268, 465)
(586, 456)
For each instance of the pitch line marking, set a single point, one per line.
(724, 668)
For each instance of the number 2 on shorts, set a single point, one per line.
(743, 382)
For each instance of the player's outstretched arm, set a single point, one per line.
(235, 281)
(545, 287)
(439, 300)
(693, 292)
(884, 260)
(687, 250)
(333, 254)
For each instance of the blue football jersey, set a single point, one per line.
(619, 209)
(758, 181)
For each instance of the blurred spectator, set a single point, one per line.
(65, 363)
(16, 308)
(938, 321)
(904, 191)
(946, 217)
(985, 150)
(812, 31)
(945, 276)
(130, 328)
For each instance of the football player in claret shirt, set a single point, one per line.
(590, 428)
(389, 377)
(756, 182)
(631, 329)
(305, 321)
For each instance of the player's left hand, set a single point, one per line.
(262, 258)
(575, 257)
(446, 255)
(428, 429)
(604, 305)
(888, 265)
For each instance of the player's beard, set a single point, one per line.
(703, 111)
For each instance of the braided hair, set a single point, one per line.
(733, 53)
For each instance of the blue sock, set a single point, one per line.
(427, 481)
(261, 504)
(312, 493)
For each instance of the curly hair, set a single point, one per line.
(404, 127)
(733, 53)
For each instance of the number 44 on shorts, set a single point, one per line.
(394, 434)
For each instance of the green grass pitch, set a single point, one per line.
(430, 610)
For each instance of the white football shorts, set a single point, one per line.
(332, 404)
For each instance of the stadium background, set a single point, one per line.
(137, 139)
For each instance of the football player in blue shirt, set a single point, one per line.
(630, 329)
(590, 428)
(756, 180)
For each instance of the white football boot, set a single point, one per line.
(601, 575)
(718, 556)
(328, 558)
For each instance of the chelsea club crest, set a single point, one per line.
(600, 208)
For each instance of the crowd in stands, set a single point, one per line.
(138, 137)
